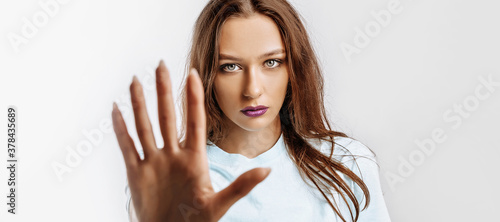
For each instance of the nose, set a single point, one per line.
(252, 86)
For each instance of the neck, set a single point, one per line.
(250, 143)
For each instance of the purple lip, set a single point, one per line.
(253, 108)
(255, 113)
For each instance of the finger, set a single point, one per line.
(126, 143)
(166, 109)
(239, 188)
(142, 123)
(196, 117)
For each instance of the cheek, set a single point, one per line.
(278, 85)
(224, 93)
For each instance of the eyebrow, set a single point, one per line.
(271, 53)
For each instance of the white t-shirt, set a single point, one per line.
(284, 196)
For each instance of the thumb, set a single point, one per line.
(239, 188)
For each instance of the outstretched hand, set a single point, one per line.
(173, 183)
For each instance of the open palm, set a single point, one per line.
(173, 183)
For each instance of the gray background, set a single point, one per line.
(401, 88)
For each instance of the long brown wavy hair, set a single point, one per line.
(302, 115)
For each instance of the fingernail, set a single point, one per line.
(161, 62)
(134, 78)
(115, 107)
(194, 71)
(268, 170)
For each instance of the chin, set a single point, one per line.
(253, 125)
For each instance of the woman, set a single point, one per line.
(255, 144)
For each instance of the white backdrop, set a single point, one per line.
(416, 81)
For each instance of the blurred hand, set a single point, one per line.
(173, 183)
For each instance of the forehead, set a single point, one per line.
(249, 37)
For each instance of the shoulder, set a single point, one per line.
(361, 160)
(345, 149)
(351, 153)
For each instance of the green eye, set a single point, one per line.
(231, 67)
(270, 63)
(276, 62)
(228, 67)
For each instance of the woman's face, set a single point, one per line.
(252, 71)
